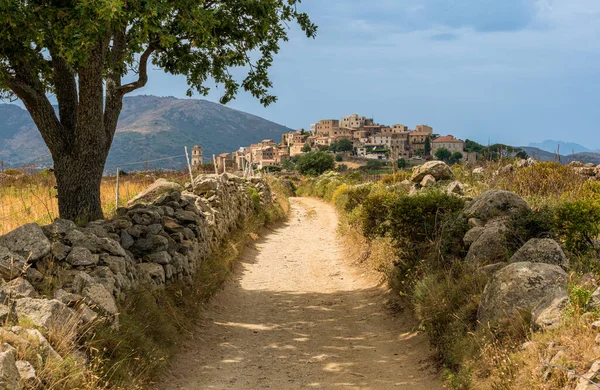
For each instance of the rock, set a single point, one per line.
(9, 374)
(204, 184)
(150, 244)
(427, 181)
(60, 250)
(520, 287)
(491, 269)
(26, 372)
(474, 222)
(456, 188)
(479, 171)
(34, 336)
(522, 163)
(58, 228)
(12, 265)
(151, 273)
(592, 375)
(86, 314)
(490, 245)
(27, 241)
(597, 339)
(595, 300)
(49, 314)
(472, 235)
(81, 257)
(506, 169)
(596, 325)
(548, 313)
(495, 203)
(101, 298)
(144, 216)
(541, 250)
(67, 298)
(162, 258)
(156, 189)
(438, 169)
(15, 289)
(126, 240)
(5, 313)
(186, 216)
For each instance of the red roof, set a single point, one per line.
(447, 139)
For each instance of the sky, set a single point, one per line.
(511, 71)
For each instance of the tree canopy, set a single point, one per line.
(315, 163)
(80, 51)
(443, 154)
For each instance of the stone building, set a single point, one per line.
(196, 156)
(355, 121)
(448, 142)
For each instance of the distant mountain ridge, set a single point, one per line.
(543, 155)
(150, 128)
(562, 147)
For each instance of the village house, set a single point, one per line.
(197, 159)
(325, 127)
(292, 138)
(448, 142)
(355, 121)
(416, 141)
(296, 150)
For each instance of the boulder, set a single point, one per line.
(155, 190)
(438, 169)
(9, 374)
(60, 250)
(427, 181)
(150, 244)
(478, 171)
(204, 184)
(49, 314)
(495, 203)
(12, 265)
(548, 313)
(521, 287)
(35, 336)
(81, 257)
(28, 241)
(472, 235)
(488, 245)
(541, 250)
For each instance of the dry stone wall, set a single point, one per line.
(159, 238)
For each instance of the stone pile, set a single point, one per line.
(533, 280)
(159, 238)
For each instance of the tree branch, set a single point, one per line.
(66, 92)
(142, 72)
(41, 111)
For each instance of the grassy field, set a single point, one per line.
(28, 198)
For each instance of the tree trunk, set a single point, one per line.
(78, 176)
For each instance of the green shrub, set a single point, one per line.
(524, 226)
(577, 223)
(347, 198)
(254, 196)
(315, 163)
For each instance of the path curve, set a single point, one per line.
(297, 315)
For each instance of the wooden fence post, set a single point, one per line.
(117, 192)
(187, 160)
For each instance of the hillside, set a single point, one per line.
(150, 128)
(542, 155)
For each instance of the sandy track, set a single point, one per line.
(297, 315)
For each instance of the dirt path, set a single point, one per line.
(297, 315)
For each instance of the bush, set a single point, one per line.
(339, 158)
(347, 197)
(315, 163)
(577, 223)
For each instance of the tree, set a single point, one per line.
(427, 146)
(315, 163)
(288, 165)
(323, 148)
(345, 145)
(79, 51)
(302, 132)
(339, 158)
(522, 154)
(401, 163)
(455, 157)
(443, 154)
(306, 148)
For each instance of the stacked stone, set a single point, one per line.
(160, 238)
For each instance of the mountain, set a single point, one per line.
(150, 128)
(542, 155)
(565, 147)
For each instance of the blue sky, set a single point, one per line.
(513, 71)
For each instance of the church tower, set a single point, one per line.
(196, 156)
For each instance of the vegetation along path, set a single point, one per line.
(298, 315)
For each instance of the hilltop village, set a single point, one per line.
(355, 136)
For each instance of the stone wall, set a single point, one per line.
(159, 238)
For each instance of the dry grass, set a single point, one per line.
(32, 197)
